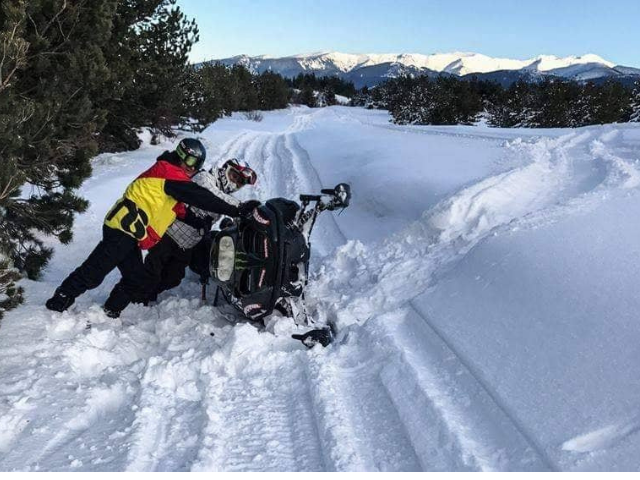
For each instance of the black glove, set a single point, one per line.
(194, 220)
(246, 208)
(226, 223)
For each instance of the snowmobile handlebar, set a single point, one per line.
(310, 198)
(340, 197)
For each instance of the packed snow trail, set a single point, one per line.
(177, 387)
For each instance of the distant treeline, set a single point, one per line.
(552, 103)
(219, 90)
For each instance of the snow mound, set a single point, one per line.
(483, 285)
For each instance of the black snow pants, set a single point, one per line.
(165, 266)
(200, 258)
(117, 249)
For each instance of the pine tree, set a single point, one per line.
(524, 104)
(272, 91)
(613, 104)
(14, 52)
(244, 90)
(327, 97)
(10, 294)
(635, 103)
(582, 108)
(210, 92)
(554, 109)
(48, 123)
(150, 77)
(404, 98)
(307, 97)
(440, 101)
(362, 98)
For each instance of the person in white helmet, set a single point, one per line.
(166, 263)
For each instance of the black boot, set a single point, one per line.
(111, 313)
(118, 300)
(60, 301)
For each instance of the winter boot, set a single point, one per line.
(111, 313)
(60, 301)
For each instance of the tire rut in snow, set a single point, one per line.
(260, 416)
(358, 423)
(168, 415)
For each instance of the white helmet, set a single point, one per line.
(232, 176)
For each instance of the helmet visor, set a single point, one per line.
(193, 162)
(240, 175)
(189, 160)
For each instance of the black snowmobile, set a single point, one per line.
(260, 263)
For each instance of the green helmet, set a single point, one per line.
(192, 152)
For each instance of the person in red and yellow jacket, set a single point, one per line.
(138, 221)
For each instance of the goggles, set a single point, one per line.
(189, 160)
(241, 175)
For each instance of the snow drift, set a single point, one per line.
(483, 284)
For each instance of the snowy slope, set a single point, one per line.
(483, 285)
(370, 69)
(459, 63)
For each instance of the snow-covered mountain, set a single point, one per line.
(370, 69)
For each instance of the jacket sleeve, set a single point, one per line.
(194, 220)
(193, 194)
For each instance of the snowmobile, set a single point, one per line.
(260, 263)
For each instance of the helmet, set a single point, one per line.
(192, 152)
(232, 175)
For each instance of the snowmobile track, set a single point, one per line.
(521, 439)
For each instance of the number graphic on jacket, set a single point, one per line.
(135, 221)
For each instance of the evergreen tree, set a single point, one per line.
(272, 91)
(582, 108)
(498, 109)
(244, 90)
(10, 293)
(48, 122)
(307, 97)
(222, 90)
(150, 75)
(399, 97)
(553, 110)
(442, 101)
(327, 97)
(613, 104)
(381, 94)
(362, 98)
(635, 103)
(212, 92)
(13, 112)
(323, 84)
(552, 103)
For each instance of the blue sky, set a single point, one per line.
(498, 28)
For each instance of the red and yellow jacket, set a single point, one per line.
(153, 201)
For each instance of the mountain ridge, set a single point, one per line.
(371, 69)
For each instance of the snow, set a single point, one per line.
(457, 63)
(545, 63)
(483, 285)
